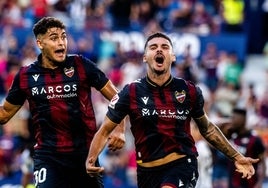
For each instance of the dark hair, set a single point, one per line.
(46, 23)
(156, 35)
(241, 111)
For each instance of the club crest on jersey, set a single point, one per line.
(180, 96)
(69, 72)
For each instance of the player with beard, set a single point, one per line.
(57, 87)
(160, 108)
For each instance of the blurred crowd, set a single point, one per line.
(219, 73)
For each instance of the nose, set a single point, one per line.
(159, 50)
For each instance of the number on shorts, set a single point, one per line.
(40, 176)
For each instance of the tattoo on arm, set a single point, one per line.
(215, 137)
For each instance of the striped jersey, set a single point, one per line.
(251, 145)
(159, 115)
(60, 102)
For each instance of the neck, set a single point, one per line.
(48, 64)
(159, 79)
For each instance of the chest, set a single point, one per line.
(54, 84)
(160, 102)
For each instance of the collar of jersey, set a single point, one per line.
(155, 85)
(39, 62)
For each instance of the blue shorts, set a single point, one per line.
(182, 173)
(61, 171)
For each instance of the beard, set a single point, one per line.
(159, 72)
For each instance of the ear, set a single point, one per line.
(173, 58)
(39, 44)
(144, 59)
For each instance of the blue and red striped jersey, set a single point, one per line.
(159, 115)
(60, 102)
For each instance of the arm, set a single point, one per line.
(261, 172)
(216, 138)
(98, 143)
(7, 111)
(117, 137)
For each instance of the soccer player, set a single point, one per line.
(160, 108)
(58, 89)
(250, 144)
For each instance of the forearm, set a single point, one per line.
(120, 128)
(7, 111)
(216, 138)
(98, 143)
(100, 139)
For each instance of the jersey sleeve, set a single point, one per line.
(15, 95)
(97, 77)
(198, 108)
(119, 106)
(259, 146)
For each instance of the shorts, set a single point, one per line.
(60, 171)
(182, 173)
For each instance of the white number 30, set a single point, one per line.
(40, 176)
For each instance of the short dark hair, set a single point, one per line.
(46, 23)
(241, 111)
(156, 35)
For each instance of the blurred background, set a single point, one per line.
(221, 45)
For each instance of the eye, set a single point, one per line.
(153, 47)
(63, 37)
(54, 38)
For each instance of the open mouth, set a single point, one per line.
(159, 59)
(60, 51)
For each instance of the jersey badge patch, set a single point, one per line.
(113, 101)
(180, 96)
(69, 72)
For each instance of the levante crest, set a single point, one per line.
(180, 96)
(69, 72)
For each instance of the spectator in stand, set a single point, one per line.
(12, 14)
(262, 109)
(186, 65)
(121, 12)
(221, 67)
(201, 20)
(40, 8)
(181, 14)
(209, 62)
(146, 11)
(233, 70)
(232, 13)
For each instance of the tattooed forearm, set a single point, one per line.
(215, 137)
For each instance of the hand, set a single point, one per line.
(244, 166)
(116, 140)
(92, 170)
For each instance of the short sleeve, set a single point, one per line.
(119, 106)
(15, 95)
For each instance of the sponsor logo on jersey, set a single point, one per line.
(165, 113)
(59, 91)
